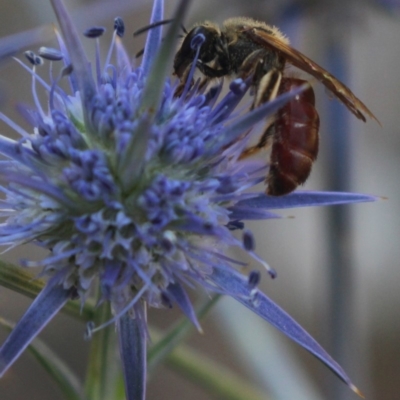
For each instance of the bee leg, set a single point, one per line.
(211, 72)
(267, 88)
(266, 78)
(264, 142)
(250, 66)
(204, 82)
(182, 84)
(208, 72)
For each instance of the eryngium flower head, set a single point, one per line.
(136, 190)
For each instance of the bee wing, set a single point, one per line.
(299, 60)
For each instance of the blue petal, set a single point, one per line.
(79, 60)
(154, 37)
(176, 291)
(46, 305)
(10, 148)
(247, 213)
(39, 186)
(237, 286)
(132, 346)
(161, 66)
(305, 199)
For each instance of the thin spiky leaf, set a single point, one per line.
(237, 286)
(132, 345)
(42, 310)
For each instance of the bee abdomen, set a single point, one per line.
(295, 144)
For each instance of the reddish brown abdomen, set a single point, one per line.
(295, 140)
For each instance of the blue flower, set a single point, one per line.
(138, 191)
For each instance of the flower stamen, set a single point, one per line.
(90, 329)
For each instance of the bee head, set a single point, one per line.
(212, 44)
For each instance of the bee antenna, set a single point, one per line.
(139, 53)
(151, 26)
(184, 29)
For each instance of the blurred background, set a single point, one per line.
(338, 269)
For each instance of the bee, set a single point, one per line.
(254, 51)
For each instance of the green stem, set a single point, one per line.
(102, 371)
